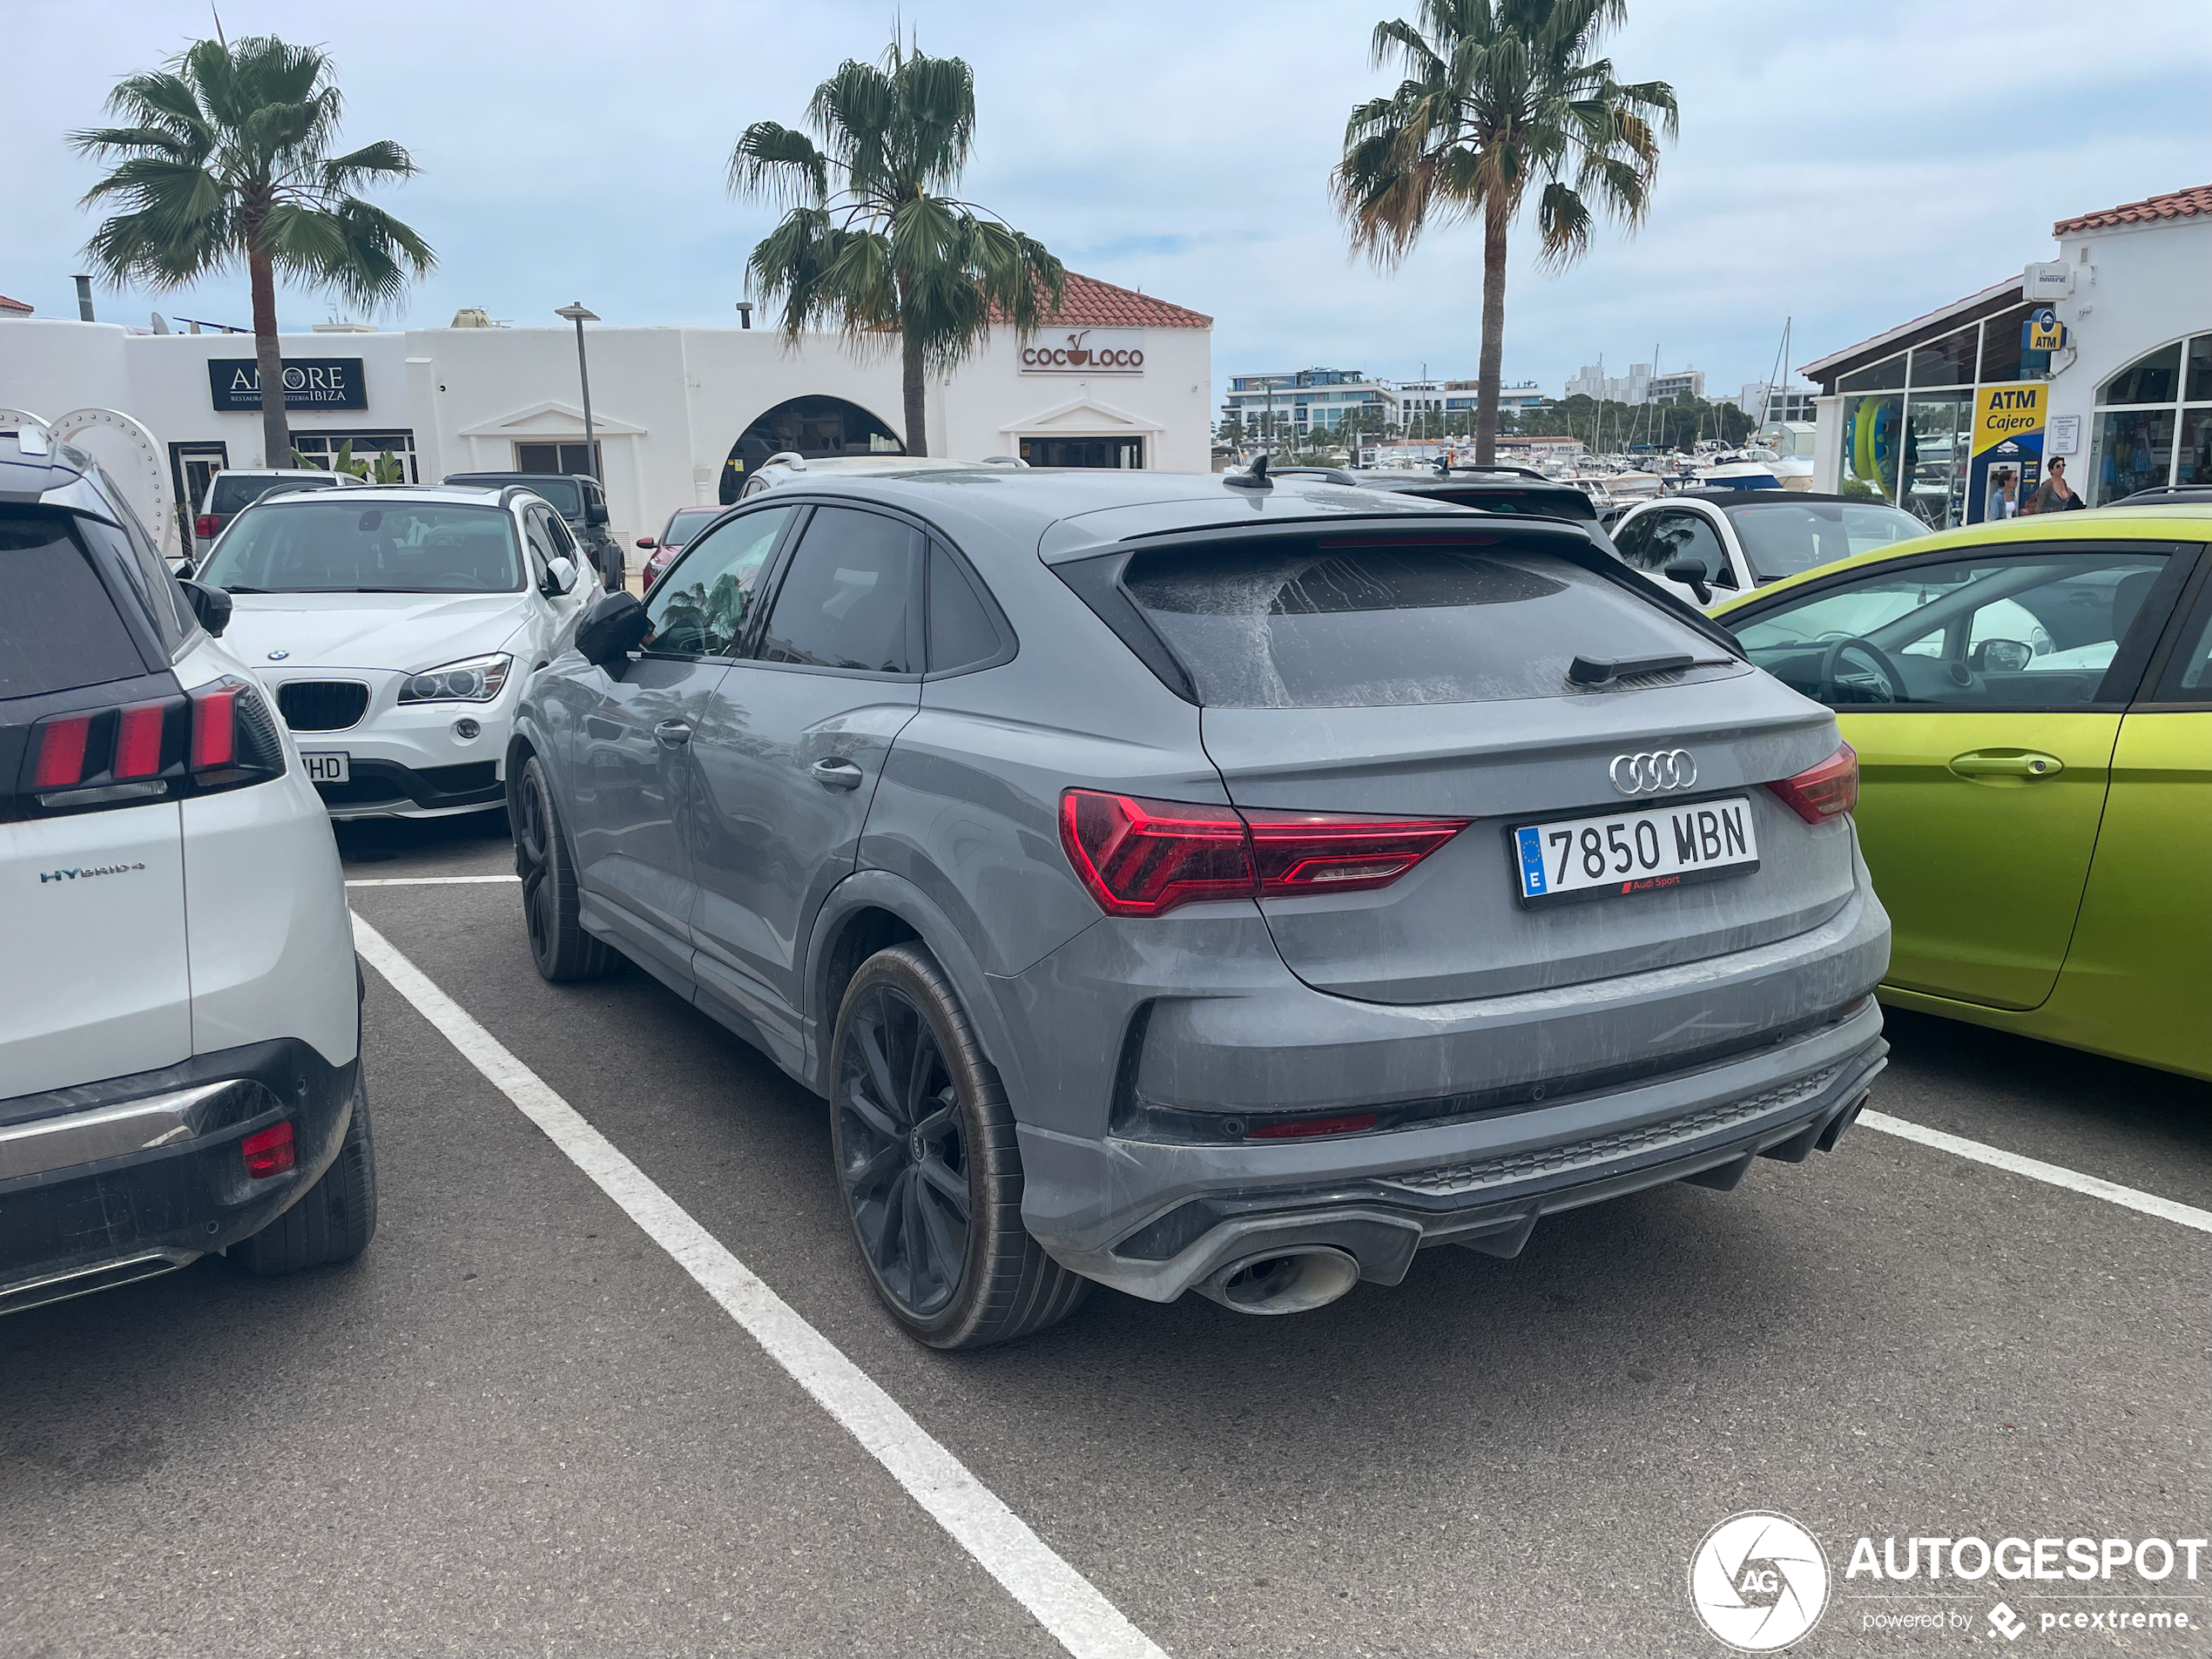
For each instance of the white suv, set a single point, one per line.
(395, 624)
(179, 1006)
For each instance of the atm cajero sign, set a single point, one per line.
(309, 383)
(1084, 351)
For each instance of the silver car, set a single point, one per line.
(1187, 883)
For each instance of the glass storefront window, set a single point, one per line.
(1948, 362)
(2195, 458)
(2154, 377)
(1938, 434)
(1873, 445)
(2134, 450)
(2199, 385)
(1885, 376)
(2002, 359)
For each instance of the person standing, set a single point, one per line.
(2053, 495)
(2000, 494)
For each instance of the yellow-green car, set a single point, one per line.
(2032, 705)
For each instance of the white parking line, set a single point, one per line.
(1061, 1599)
(2149, 1203)
(428, 881)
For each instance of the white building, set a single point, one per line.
(1765, 400)
(1306, 400)
(2126, 392)
(1677, 382)
(1119, 379)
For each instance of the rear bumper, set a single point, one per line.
(1686, 1072)
(108, 1182)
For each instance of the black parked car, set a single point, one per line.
(1490, 489)
(582, 504)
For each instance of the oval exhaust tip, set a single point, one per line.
(1283, 1281)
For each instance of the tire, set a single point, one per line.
(936, 1089)
(334, 1220)
(560, 948)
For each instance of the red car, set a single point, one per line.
(682, 525)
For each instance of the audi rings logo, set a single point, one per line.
(1759, 1582)
(1653, 774)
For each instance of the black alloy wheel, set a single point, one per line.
(929, 1165)
(904, 1158)
(560, 948)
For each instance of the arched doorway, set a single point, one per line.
(808, 426)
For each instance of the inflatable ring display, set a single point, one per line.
(1873, 441)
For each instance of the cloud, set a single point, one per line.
(1850, 168)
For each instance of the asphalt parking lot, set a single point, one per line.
(518, 1425)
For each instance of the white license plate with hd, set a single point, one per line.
(1638, 852)
(328, 768)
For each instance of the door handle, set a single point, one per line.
(836, 774)
(669, 733)
(2027, 763)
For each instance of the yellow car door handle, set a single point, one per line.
(2016, 764)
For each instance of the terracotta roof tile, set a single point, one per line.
(1088, 303)
(2180, 204)
(6, 304)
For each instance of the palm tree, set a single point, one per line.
(874, 242)
(227, 160)
(1499, 95)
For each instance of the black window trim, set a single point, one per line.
(2192, 613)
(123, 591)
(771, 571)
(780, 564)
(2130, 663)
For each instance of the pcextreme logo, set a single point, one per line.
(1759, 1582)
(86, 873)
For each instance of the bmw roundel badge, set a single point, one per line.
(278, 656)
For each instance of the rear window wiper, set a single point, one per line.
(1600, 671)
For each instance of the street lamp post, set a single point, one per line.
(575, 313)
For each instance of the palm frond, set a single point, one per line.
(779, 164)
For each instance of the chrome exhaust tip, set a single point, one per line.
(1283, 1281)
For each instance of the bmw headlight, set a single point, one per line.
(477, 679)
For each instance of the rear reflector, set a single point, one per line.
(1140, 858)
(214, 728)
(269, 1151)
(61, 753)
(1823, 792)
(1296, 1129)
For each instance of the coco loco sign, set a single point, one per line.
(1086, 351)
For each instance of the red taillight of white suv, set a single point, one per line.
(1140, 858)
(218, 737)
(1823, 792)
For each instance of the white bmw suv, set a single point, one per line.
(395, 626)
(179, 1006)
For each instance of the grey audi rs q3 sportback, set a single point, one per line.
(1183, 883)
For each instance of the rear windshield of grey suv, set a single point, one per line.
(235, 494)
(1307, 626)
(342, 546)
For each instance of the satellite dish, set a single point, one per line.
(161, 323)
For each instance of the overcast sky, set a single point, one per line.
(1851, 165)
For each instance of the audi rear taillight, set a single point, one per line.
(1141, 858)
(1823, 792)
(205, 526)
(218, 737)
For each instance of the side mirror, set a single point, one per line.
(211, 605)
(594, 512)
(613, 626)
(646, 545)
(560, 577)
(1692, 573)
